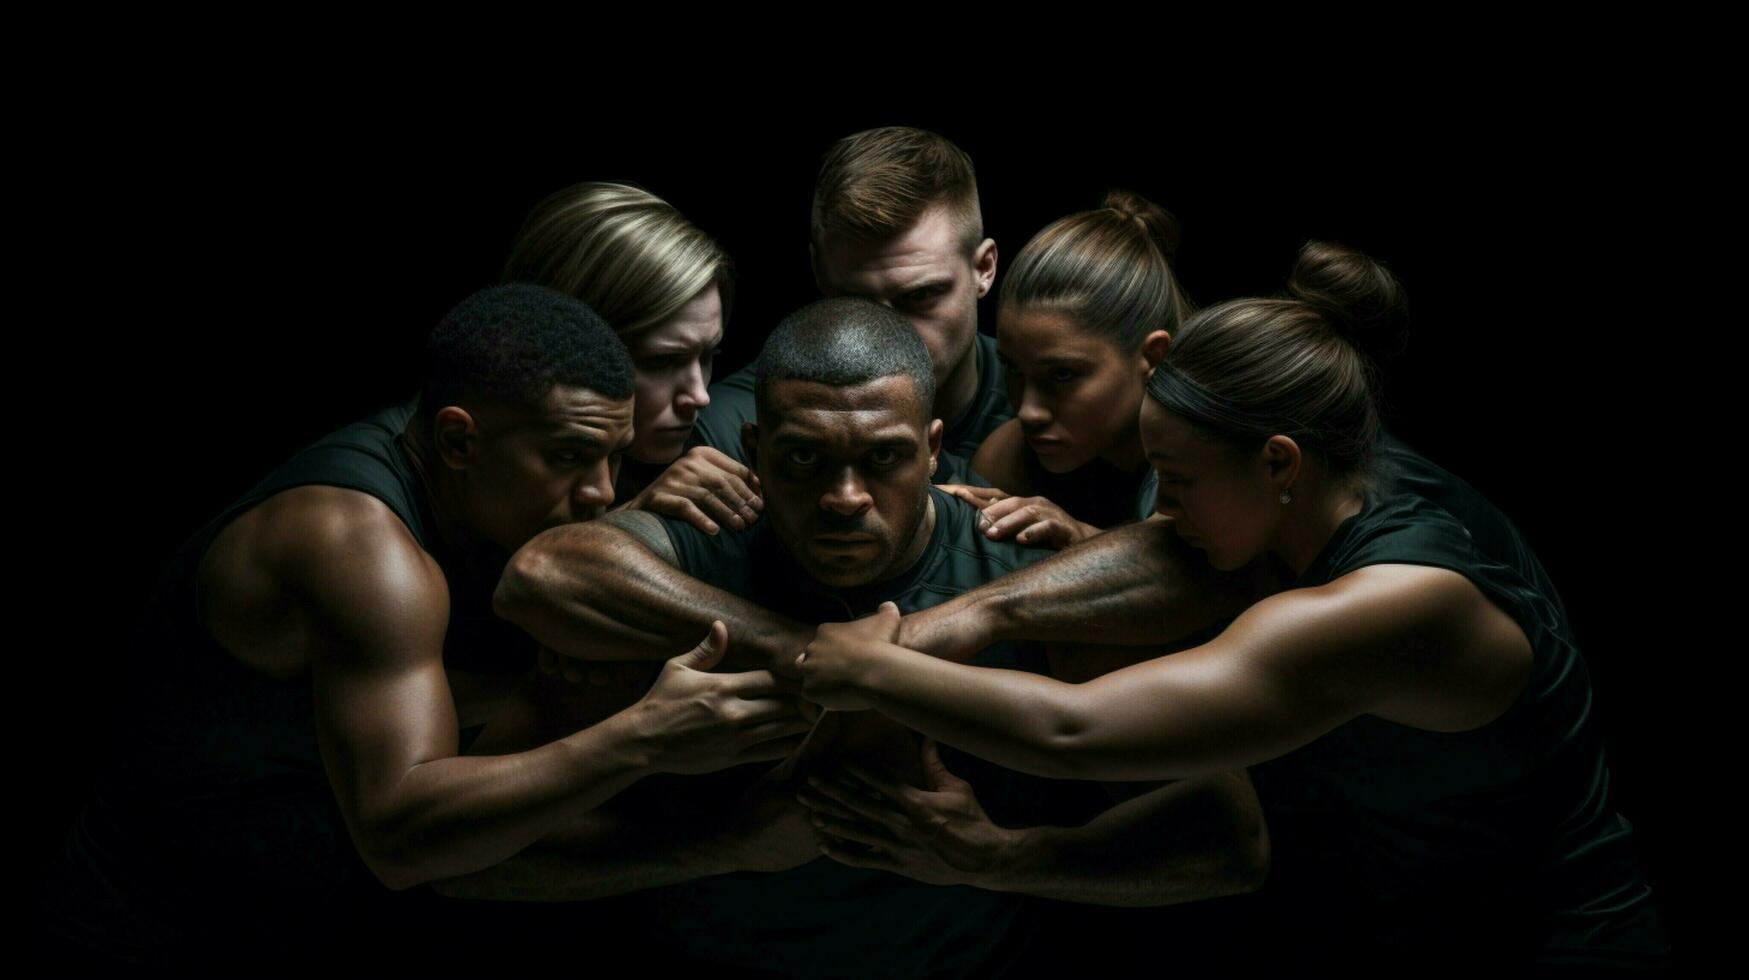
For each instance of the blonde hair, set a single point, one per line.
(1109, 270)
(626, 252)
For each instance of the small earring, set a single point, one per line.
(1287, 496)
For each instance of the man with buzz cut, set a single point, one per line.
(844, 443)
(896, 220)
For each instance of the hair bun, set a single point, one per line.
(1160, 224)
(1358, 296)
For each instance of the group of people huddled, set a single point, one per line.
(847, 656)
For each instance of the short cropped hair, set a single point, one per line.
(877, 183)
(843, 342)
(514, 343)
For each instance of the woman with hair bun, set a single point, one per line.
(1086, 311)
(1413, 708)
(665, 288)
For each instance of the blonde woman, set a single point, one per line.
(665, 288)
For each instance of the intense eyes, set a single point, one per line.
(657, 363)
(923, 297)
(881, 457)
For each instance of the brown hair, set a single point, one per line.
(1108, 269)
(621, 249)
(1303, 366)
(877, 183)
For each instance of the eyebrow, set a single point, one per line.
(679, 348)
(879, 440)
(575, 437)
(927, 283)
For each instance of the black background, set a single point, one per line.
(247, 276)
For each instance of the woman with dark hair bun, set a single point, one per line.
(1086, 311)
(1413, 708)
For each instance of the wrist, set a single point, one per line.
(1012, 857)
(627, 739)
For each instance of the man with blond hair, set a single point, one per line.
(896, 219)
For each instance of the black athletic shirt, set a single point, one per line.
(719, 425)
(1096, 492)
(1492, 844)
(212, 825)
(825, 918)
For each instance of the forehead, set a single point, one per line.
(1173, 441)
(1030, 334)
(928, 249)
(697, 325)
(877, 410)
(569, 410)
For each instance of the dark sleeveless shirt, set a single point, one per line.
(1096, 492)
(213, 820)
(1496, 843)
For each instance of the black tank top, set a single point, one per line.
(212, 820)
(1493, 843)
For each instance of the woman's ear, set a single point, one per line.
(1154, 348)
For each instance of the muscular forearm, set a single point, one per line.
(456, 815)
(594, 592)
(1187, 841)
(606, 852)
(1131, 585)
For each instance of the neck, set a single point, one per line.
(1310, 522)
(919, 541)
(440, 487)
(955, 391)
(1128, 455)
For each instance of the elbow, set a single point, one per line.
(521, 582)
(1067, 747)
(1249, 868)
(395, 872)
(400, 859)
(1247, 847)
(536, 575)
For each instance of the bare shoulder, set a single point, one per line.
(1001, 459)
(320, 568)
(1411, 643)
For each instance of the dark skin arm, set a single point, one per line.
(1136, 585)
(608, 590)
(1418, 646)
(329, 581)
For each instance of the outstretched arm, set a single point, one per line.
(609, 590)
(1419, 646)
(1186, 841)
(1136, 585)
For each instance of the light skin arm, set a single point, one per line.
(370, 608)
(1419, 646)
(609, 590)
(1186, 841)
(1136, 585)
(620, 847)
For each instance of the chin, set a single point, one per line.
(1060, 464)
(843, 576)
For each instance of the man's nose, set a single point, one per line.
(847, 495)
(596, 488)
